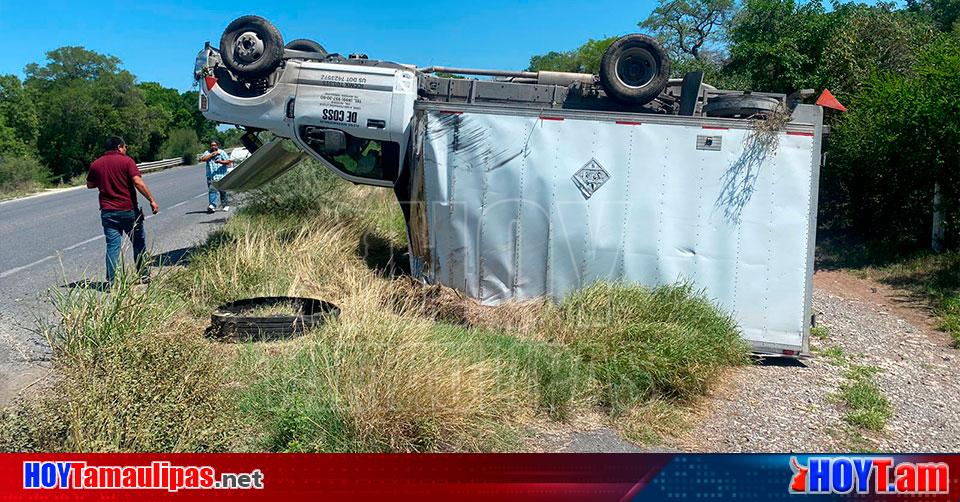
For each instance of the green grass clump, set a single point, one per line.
(949, 312)
(664, 343)
(867, 407)
(820, 332)
(835, 354)
(553, 375)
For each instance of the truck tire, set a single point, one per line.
(227, 324)
(251, 47)
(741, 106)
(634, 69)
(307, 45)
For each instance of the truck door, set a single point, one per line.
(343, 117)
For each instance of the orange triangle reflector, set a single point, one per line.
(827, 100)
(212, 81)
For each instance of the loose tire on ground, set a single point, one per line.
(251, 47)
(634, 69)
(227, 323)
(307, 45)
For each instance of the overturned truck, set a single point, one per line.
(518, 185)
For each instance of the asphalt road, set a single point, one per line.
(55, 240)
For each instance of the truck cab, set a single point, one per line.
(352, 115)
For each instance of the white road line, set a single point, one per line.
(15, 270)
(12, 271)
(54, 191)
(46, 192)
(81, 243)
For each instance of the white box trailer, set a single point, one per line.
(514, 204)
(535, 184)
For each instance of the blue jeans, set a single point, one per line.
(213, 192)
(117, 223)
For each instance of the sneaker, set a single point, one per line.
(211, 209)
(225, 208)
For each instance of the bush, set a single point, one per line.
(21, 174)
(306, 189)
(664, 343)
(551, 375)
(182, 144)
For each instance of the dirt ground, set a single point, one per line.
(784, 406)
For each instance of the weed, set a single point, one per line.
(820, 332)
(867, 407)
(652, 422)
(129, 379)
(835, 354)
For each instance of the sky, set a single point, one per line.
(158, 41)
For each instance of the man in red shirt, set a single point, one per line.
(117, 178)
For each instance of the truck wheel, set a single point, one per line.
(306, 45)
(251, 47)
(741, 106)
(634, 69)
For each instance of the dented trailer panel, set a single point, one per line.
(512, 205)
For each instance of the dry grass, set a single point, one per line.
(379, 382)
(129, 378)
(278, 309)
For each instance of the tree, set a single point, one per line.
(900, 137)
(690, 28)
(82, 98)
(182, 143)
(584, 59)
(944, 13)
(778, 44)
(180, 112)
(868, 40)
(73, 63)
(19, 113)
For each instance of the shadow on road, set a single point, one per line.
(100, 286)
(197, 212)
(180, 256)
(216, 221)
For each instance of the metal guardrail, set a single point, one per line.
(146, 167)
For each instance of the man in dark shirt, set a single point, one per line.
(117, 178)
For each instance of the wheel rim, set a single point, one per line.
(249, 47)
(636, 67)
